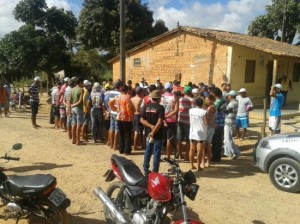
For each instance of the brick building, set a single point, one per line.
(212, 56)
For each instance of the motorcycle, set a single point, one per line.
(32, 195)
(140, 199)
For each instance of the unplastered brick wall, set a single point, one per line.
(195, 58)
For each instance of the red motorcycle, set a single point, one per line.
(147, 199)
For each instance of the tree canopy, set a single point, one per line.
(41, 43)
(282, 21)
(99, 24)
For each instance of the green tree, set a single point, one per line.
(99, 24)
(40, 44)
(282, 21)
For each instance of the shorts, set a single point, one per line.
(275, 124)
(242, 122)
(77, 116)
(55, 110)
(171, 130)
(183, 132)
(113, 123)
(62, 111)
(137, 125)
(87, 119)
(69, 121)
(210, 134)
(34, 107)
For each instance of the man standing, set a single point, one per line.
(170, 102)
(286, 84)
(242, 118)
(230, 149)
(33, 92)
(217, 140)
(137, 126)
(86, 109)
(76, 108)
(3, 99)
(275, 109)
(62, 107)
(152, 118)
(124, 119)
(55, 103)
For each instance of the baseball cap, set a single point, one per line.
(232, 93)
(96, 85)
(37, 78)
(279, 86)
(195, 90)
(242, 90)
(168, 85)
(157, 79)
(155, 94)
(86, 83)
(67, 79)
(187, 89)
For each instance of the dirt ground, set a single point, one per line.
(232, 191)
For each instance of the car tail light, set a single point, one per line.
(49, 189)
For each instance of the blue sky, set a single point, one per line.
(229, 15)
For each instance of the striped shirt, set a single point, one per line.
(185, 103)
(55, 96)
(34, 93)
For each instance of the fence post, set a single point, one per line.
(263, 127)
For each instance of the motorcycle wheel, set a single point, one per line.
(115, 193)
(53, 215)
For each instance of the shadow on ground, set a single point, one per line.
(38, 166)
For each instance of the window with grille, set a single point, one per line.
(136, 62)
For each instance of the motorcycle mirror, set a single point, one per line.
(17, 146)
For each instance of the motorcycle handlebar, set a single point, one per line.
(10, 158)
(171, 162)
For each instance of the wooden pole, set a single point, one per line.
(263, 127)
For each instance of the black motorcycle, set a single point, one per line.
(32, 195)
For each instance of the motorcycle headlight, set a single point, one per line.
(189, 177)
(191, 191)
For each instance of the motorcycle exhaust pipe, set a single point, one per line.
(110, 205)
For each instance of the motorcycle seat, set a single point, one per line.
(130, 172)
(26, 185)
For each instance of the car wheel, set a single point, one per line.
(285, 174)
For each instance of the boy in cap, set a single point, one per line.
(275, 109)
(152, 118)
(242, 118)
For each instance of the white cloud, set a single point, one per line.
(232, 16)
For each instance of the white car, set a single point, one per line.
(279, 155)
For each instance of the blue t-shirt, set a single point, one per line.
(276, 105)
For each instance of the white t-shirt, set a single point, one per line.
(243, 104)
(198, 130)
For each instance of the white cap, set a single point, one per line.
(86, 83)
(37, 79)
(279, 86)
(67, 79)
(195, 90)
(242, 90)
(232, 93)
(157, 79)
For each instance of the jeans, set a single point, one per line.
(97, 123)
(125, 129)
(155, 149)
(230, 149)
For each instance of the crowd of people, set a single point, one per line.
(192, 120)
